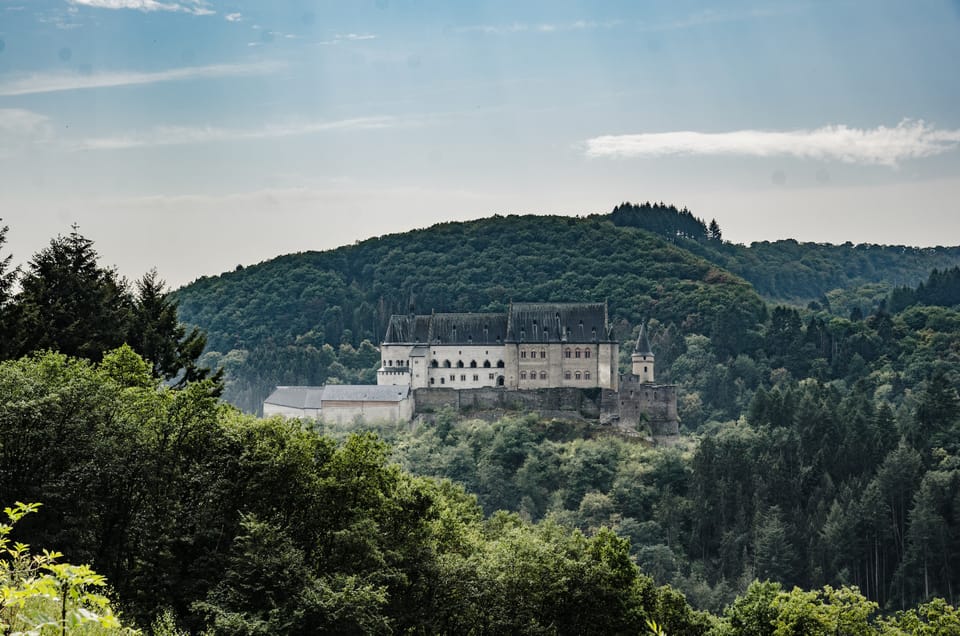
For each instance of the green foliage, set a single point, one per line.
(38, 595)
(282, 313)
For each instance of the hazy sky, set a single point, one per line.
(194, 135)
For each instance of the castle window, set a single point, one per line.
(389, 363)
(543, 375)
(442, 380)
(446, 364)
(486, 364)
(523, 375)
(432, 380)
(543, 354)
(499, 364)
(578, 375)
(490, 376)
(475, 377)
(566, 375)
(452, 377)
(473, 364)
(586, 375)
(463, 378)
(586, 353)
(644, 369)
(566, 353)
(434, 364)
(459, 364)
(523, 353)
(577, 353)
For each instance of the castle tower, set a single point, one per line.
(642, 357)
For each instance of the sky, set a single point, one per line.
(196, 135)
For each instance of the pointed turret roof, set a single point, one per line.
(643, 343)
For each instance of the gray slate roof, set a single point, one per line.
(643, 342)
(312, 397)
(297, 397)
(523, 322)
(365, 392)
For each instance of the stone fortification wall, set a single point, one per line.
(637, 406)
(565, 401)
(652, 406)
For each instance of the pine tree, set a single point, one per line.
(69, 303)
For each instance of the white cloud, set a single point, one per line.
(521, 27)
(20, 122)
(53, 82)
(21, 129)
(350, 37)
(877, 146)
(234, 17)
(194, 7)
(182, 135)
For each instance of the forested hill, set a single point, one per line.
(786, 270)
(303, 318)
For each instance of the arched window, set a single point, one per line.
(389, 363)
(566, 375)
(473, 364)
(523, 375)
(577, 353)
(486, 364)
(586, 353)
(523, 353)
(446, 364)
(543, 375)
(543, 354)
(586, 375)
(434, 364)
(577, 375)
(459, 364)
(566, 353)
(499, 364)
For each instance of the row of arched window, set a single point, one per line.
(567, 353)
(460, 365)
(400, 363)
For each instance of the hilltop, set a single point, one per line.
(315, 317)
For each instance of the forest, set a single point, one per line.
(813, 491)
(316, 317)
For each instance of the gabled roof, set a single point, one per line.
(312, 397)
(643, 342)
(408, 328)
(558, 322)
(365, 392)
(467, 329)
(296, 397)
(524, 322)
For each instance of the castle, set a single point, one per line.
(559, 359)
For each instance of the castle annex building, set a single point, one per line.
(558, 359)
(530, 346)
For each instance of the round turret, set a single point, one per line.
(642, 357)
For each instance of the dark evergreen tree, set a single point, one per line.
(157, 334)
(69, 303)
(8, 277)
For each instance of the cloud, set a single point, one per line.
(182, 135)
(23, 123)
(522, 27)
(194, 7)
(233, 17)
(54, 82)
(875, 146)
(350, 37)
(21, 129)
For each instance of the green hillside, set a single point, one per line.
(303, 318)
(787, 270)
